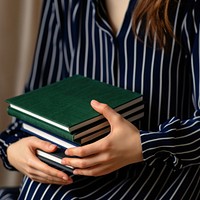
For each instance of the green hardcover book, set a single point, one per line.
(83, 135)
(66, 104)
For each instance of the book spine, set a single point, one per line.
(42, 125)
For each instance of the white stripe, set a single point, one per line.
(107, 63)
(93, 44)
(44, 193)
(86, 40)
(171, 58)
(101, 34)
(25, 179)
(47, 46)
(60, 62)
(139, 191)
(151, 80)
(43, 23)
(135, 56)
(144, 56)
(35, 192)
(78, 188)
(196, 186)
(56, 192)
(179, 185)
(28, 190)
(54, 54)
(126, 54)
(160, 85)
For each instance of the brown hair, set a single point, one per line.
(154, 12)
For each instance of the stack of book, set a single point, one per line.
(61, 112)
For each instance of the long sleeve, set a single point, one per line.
(177, 142)
(7, 137)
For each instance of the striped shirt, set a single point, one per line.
(76, 38)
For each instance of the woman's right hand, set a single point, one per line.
(22, 156)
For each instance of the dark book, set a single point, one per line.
(63, 108)
(54, 159)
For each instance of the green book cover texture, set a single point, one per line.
(67, 102)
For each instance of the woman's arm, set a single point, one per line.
(177, 142)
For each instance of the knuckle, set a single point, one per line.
(105, 146)
(29, 163)
(105, 107)
(117, 117)
(92, 173)
(29, 171)
(108, 157)
(82, 164)
(95, 173)
(48, 178)
(81, 152)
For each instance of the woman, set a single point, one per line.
(151, 47)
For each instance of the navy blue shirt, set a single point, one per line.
(75, 38)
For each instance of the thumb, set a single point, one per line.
(105, 110)
(43, 145)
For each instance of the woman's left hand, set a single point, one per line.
(122, 146)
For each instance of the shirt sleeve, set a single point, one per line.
(7, 137)
(177, 142)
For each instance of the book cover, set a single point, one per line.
(66, 104)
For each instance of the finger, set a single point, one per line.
(43, 145)
(35, 166)
(97, 170)
(105, 110)
(43, 178)
(86, 162)
(87, 150)
(46, 178)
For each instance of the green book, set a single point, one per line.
(50, 132)
(65, 104)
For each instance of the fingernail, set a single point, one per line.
(69, 180)
(52, 146)
(65, 178)
(75, 172)
(94, 102)
(66, 152)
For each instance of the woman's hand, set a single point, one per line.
(22, 156)
(119, 148)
